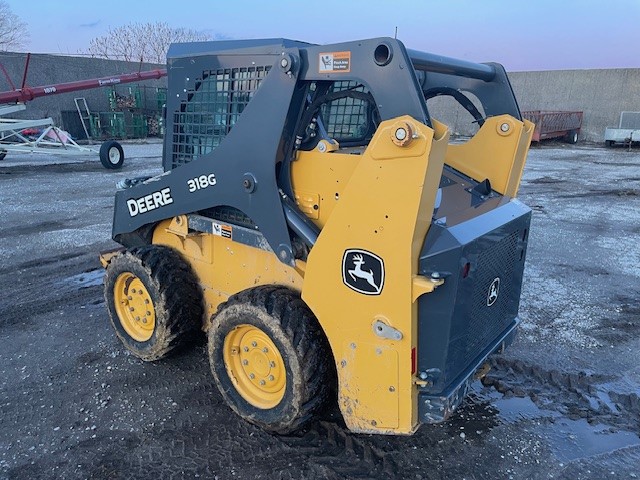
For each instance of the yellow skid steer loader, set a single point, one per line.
(314, 220)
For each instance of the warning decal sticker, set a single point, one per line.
(221, 230)
(335, 62)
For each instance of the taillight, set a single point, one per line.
(413, 360)
(466, 269)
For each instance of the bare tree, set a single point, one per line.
(13, 31)
(146, 41)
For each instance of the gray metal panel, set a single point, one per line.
(267, 46)
(621, 135)
(630, 120)
(455, 322)
(393, 85)
(252, 147)
(239, 234)
(456, 202)
(435, 408)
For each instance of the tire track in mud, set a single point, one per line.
(57, 259)
(330, 447)
(38, 287)
(574, 395)
(73, 167)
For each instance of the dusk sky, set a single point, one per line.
(536, 35)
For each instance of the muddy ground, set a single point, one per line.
(563, 402)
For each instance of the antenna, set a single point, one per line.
(396, 34)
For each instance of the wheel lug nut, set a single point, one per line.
(137, 319)
(149, 313)
(265, 349)
(133, 290)
(271, 378)
(252, 376)
(129, 297)
(245, 362)
(272, 364)
(144, 319)
(246, 349)
(262, 382)
(254, 344)
(131, 309)
(146, 301)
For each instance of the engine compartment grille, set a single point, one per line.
(487, 320)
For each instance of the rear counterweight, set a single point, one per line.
(476, 309)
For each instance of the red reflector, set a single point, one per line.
(413, 360)
(465, 270)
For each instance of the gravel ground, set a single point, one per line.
(562, 402)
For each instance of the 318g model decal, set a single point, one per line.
(363, 271)
(201, 182)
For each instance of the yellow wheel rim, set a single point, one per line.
(134, 307)
(255, 366)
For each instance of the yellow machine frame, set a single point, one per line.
(379, 201)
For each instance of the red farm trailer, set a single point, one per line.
(553, 124)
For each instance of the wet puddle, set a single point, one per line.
(574, 439)
(568, 439)
(84, 280)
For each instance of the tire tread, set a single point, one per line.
(307, 339)
(180, 297)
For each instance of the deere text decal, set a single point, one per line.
(149, 202)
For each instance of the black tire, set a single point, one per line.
(174, 294)
(572, 137)
(111, 155)
(3, 154)
(310, 373)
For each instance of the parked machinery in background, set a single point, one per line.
(627, 132)
(552, 124)
(41, 135)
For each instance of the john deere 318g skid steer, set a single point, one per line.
(315, 221)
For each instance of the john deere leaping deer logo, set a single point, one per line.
(363, 271)
(494, 290)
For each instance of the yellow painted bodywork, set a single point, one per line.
(106, 256)
(318, 179)
(225, 267)
(498, 151)
(385, 208)
(380, 200)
